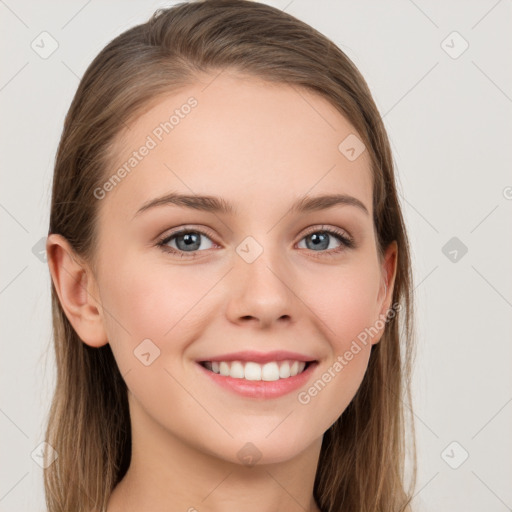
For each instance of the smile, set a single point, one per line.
(253, 380)
(271, 371)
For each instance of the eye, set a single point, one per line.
(189, 241)
(321, 239)
(186, 241)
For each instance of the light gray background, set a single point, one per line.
(450, 124)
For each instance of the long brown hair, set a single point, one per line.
(362, 463)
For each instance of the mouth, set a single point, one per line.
(268, 380)
(253, 371)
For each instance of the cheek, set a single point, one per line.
(151, 301)
(346, 303)
(352, 319)
(344, 368)
(345, 307)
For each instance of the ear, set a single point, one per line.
(389, 267)
(77, 290)
(385, 295)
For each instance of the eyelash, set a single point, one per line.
(346, 242)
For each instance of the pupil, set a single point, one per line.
(319, 240)
(190, 240)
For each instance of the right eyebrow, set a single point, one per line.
(206, 203)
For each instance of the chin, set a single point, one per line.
(261, 450)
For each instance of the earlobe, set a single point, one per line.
(77, 291)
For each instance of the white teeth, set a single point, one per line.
(224, 368)
(270, 371)
(254, 371)
(284, 369)
(237, 370)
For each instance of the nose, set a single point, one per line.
(261, 291)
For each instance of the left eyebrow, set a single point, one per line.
(315, 203)
(219, 205)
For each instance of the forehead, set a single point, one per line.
(259, 145)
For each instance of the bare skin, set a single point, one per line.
(261, 147)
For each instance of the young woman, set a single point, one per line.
(231, 282)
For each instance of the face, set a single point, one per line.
(264, 276)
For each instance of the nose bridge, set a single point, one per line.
(261, 280)
(259, 259)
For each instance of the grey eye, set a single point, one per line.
(187, 241)
(320, 240)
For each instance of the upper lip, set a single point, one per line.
(260, 357)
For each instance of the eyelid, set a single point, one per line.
(328, 229)
(187, 229)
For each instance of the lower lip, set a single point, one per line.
(262, 388)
